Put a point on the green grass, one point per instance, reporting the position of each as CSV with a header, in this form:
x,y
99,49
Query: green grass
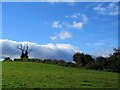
x,y
40,75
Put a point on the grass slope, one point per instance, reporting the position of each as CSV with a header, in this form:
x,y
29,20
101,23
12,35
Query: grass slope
x,y
40,75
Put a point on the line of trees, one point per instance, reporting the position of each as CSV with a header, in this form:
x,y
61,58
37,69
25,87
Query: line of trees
x,y
111,63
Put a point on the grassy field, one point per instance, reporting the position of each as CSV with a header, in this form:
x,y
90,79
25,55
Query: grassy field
x,y
40,75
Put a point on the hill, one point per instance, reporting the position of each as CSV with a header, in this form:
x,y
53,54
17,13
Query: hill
x,y
40,75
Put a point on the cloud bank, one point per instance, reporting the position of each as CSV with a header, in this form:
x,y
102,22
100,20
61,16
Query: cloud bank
x,y
49,51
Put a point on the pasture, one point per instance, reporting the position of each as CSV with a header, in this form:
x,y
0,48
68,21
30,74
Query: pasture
x,y
40,75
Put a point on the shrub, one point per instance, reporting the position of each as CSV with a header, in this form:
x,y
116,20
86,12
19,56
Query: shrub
x,y
24,59
54,61
90,65
17,60
100,63
62,63
70,64
47,61
7,59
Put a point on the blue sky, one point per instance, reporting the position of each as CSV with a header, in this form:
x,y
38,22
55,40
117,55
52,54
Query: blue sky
x,y
92,27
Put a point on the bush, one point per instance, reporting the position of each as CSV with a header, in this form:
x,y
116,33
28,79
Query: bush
x,y
113,64
62,63
7,59
48,61
70,64
54,61
90,65
17,60
24,59
100,63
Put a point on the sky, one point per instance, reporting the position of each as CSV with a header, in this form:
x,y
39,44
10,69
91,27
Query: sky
x,y
59,29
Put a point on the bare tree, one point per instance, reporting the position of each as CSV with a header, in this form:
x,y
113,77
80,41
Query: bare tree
x,y
24,50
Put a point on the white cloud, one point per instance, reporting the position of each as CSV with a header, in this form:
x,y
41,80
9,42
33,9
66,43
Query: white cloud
x,y
76,25
77,16
65,35
104,53
56,25
73,16
49,51
94,44
53,38
85,18
62,35
78,20
111,9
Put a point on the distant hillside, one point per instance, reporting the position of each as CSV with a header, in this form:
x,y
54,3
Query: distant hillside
x,y
40,75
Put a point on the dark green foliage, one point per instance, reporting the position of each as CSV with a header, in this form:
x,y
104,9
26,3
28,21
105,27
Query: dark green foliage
x,y
111,63
70,64
17,60
76,65
47,61
90,65
7,59
82,59
54,61
62,63
100,63
25,59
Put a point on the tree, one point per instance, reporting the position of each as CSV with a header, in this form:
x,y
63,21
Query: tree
x,y
113,63
82,59
7,59
100,62
24,50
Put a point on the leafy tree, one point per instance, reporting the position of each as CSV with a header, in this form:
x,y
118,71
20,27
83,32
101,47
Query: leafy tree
x,y
7,59
100,62
90,65
113,63
89,58
82,59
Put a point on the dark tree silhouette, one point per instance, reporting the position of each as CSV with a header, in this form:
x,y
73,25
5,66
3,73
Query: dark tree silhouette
x,y
7,59
82,59
24,50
